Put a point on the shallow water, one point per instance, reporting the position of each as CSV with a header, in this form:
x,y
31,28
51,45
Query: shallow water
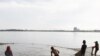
x,y
34,50
63,39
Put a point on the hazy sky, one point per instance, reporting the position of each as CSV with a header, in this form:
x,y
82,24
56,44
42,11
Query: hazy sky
x,y
50,14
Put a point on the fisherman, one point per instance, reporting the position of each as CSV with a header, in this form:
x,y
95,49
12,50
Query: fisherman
x,y
8,51
96,48
83,48
54,51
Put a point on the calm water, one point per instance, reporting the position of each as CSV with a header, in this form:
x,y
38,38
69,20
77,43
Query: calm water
x,y
63,39
34,50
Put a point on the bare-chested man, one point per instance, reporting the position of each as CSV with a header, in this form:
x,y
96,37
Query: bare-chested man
x,y
96,48
54,51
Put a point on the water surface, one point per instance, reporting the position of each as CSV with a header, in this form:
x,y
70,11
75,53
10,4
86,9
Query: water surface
x,y
62,39
67,39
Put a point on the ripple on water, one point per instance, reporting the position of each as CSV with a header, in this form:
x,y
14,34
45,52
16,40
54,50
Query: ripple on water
x,y
36,50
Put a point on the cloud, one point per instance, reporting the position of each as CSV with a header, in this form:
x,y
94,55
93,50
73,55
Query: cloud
x,y
23,0
45,14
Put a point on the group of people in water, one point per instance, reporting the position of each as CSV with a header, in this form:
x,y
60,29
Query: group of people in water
x,y
82,51
55,52
84,46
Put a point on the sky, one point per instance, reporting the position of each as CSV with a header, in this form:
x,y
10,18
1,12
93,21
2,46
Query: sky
x,y
50,14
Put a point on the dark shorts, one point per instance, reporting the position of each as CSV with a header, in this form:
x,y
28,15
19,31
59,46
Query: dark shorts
x,y
56,55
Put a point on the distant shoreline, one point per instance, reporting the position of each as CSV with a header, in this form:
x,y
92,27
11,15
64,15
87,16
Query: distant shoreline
x,y
5,43
10,30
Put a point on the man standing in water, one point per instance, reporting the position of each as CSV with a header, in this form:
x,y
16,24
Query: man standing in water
x,y
54,51
96,48
83,48
8,51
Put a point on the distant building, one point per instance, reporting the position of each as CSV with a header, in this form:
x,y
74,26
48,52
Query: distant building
x,y
75,29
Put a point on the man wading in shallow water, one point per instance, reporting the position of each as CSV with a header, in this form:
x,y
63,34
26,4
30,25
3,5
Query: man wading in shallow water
x,y
54,51
8,51
96,48
83,48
